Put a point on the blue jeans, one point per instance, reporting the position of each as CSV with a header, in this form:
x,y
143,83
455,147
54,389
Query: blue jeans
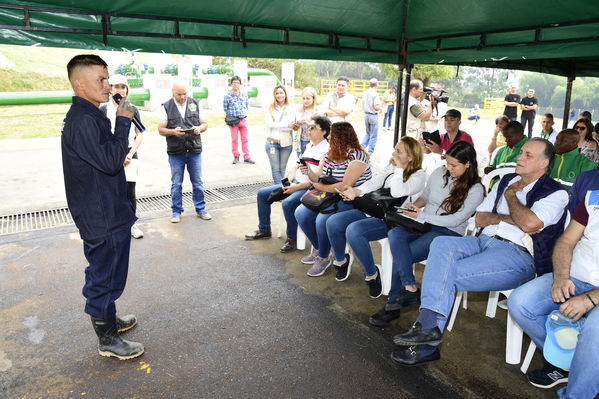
x,y
314,226
372,130
194,168
407,249
278,157
359,234
289,204
530,304
388,116
336,227
470,264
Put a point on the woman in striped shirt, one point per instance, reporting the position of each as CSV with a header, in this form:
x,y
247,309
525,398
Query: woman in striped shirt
x,y
349,165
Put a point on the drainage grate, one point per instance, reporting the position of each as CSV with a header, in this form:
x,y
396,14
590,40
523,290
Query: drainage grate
x,y
39,220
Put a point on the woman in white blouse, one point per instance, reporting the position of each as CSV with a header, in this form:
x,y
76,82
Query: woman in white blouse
x,y
280,120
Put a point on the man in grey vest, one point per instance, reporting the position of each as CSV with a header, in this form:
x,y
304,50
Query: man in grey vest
x,y
181,124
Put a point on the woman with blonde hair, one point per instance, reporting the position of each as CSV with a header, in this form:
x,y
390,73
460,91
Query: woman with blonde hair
x,y
301,136
403,178
280,119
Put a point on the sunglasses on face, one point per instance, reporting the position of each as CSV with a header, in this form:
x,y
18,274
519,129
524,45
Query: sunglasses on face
x,y
312,127
580,128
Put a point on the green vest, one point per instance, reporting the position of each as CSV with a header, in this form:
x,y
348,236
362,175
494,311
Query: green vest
x,y
506,156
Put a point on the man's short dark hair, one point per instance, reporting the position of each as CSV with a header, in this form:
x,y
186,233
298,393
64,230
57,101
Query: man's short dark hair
x,y
237,78
586,114
324,123
343,78
548,152
84,60
514,127
548,115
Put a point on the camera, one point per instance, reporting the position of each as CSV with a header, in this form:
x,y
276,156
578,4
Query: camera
x,y
429,94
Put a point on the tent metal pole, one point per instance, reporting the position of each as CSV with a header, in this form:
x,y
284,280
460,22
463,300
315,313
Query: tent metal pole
x,y
397,105
571,77
404,111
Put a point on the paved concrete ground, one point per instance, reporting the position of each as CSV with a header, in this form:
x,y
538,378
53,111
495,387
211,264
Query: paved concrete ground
x,y
227,318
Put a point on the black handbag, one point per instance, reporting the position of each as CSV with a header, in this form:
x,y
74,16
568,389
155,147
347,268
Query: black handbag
x,y
232,120
377,202
395,219
319,201
277,195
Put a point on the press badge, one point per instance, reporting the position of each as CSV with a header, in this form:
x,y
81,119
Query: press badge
x,y
272,150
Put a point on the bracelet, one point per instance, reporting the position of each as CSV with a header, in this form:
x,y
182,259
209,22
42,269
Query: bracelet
x,y
591,299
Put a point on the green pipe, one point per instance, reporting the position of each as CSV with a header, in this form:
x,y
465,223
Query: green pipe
x,y
262,72
199,92
56,97
252,92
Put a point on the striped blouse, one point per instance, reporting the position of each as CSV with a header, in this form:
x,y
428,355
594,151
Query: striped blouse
x,y
337,170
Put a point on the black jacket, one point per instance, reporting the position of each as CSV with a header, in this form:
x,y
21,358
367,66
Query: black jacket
x,y
94,178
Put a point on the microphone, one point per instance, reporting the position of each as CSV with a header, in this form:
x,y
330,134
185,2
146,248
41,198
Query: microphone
x,y
140,126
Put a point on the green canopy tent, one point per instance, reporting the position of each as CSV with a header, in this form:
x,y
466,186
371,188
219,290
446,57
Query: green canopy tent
x,y
550,36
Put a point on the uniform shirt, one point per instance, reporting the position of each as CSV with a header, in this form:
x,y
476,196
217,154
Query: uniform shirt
x,y
511,112
551,135
566,167
529,101
94,178
506,156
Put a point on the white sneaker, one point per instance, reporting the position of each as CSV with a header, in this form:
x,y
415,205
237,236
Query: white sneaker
x,y
136,232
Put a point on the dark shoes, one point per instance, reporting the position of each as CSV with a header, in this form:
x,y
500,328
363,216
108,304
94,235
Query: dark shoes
x,y
249,160
344,270
111,344
375,287
417,336
125,323
289,246
256,235
383,317
547,377
406,298
412,356
235,160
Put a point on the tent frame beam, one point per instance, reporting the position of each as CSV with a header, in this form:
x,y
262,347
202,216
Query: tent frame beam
x,y
237,31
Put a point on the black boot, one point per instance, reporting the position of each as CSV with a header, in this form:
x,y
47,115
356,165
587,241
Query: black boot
x,y
125,323
110,342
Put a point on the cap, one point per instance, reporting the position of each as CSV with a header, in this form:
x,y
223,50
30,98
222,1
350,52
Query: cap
x,y
561,339
453,113
118,79
374,81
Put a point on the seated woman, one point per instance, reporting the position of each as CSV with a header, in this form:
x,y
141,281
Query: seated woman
x,y
318,131
348,164
279,119
403,175
586,143
451,196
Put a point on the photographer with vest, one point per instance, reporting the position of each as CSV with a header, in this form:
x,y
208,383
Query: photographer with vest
x,y
181,124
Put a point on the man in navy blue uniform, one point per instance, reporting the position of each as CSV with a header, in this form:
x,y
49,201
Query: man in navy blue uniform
x,y
96,189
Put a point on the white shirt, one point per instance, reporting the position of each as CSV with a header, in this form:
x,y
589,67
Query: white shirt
x,y
111,114
413,187
315,152
162,111
549,210
347,103
585,258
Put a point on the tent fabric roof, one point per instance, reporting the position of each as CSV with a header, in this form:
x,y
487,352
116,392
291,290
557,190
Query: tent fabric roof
x,y
541,35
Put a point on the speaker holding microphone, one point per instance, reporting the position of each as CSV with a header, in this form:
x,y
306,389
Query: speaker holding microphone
x,y
117,99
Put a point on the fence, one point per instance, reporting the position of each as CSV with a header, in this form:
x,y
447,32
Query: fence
x,y
356,87
494,104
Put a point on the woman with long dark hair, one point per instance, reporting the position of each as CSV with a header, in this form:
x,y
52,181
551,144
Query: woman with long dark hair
x,y
586,143
451,196
349,165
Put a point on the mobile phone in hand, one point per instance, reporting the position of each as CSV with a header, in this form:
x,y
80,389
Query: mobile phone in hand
x,y
302,161
285,182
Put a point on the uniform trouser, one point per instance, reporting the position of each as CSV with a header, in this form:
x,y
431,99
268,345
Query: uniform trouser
x,y
106,274
131,195
530,119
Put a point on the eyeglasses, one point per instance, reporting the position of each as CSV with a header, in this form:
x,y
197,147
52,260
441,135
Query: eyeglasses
x,y
312,127
580,128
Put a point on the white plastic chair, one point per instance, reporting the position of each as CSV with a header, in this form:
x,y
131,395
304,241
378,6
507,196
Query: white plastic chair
x,y
301,237
386,265
499,172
